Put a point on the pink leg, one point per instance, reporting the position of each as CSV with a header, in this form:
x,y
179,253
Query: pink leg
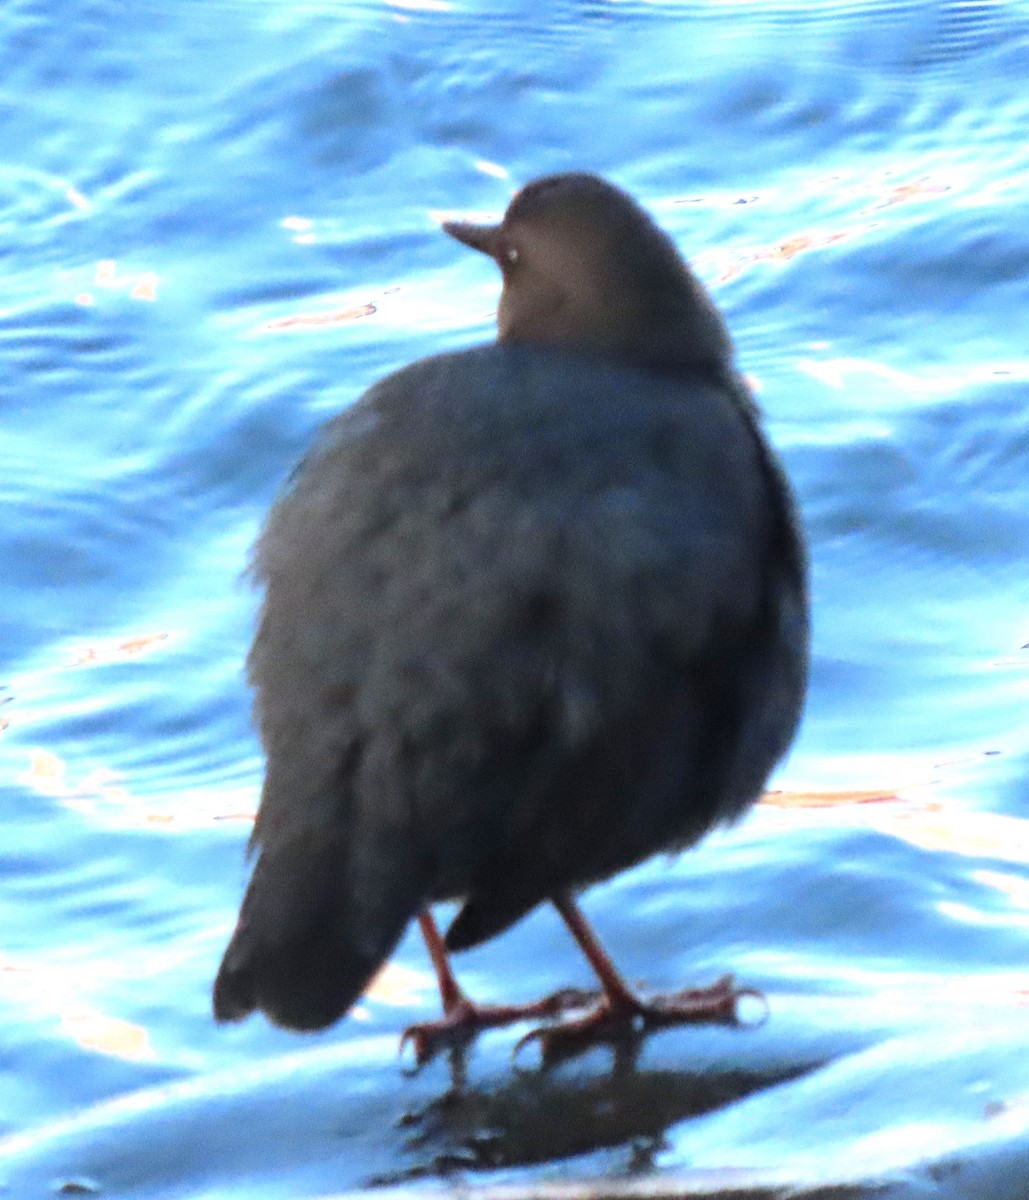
x,y
616,1011
462,1018
620,1010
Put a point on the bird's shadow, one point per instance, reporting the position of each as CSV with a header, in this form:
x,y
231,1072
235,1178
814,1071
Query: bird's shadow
x,y
529,1117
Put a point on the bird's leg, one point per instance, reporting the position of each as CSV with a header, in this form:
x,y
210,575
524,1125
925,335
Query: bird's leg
x,y
462,1018
450,992
621,1012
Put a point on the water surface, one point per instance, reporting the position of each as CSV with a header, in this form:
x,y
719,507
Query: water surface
x,y
220,224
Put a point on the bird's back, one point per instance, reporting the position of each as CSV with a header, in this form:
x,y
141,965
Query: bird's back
x,y
526,622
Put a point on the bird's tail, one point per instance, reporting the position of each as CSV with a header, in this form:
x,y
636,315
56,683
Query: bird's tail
x,y
314,927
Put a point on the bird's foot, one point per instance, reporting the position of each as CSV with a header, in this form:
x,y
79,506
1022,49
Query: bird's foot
x,y
624,1016
464,1021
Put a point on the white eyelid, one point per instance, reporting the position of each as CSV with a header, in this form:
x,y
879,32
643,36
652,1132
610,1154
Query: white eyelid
x,y
511,254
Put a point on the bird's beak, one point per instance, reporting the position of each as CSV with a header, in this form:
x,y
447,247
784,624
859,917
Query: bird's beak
x,y
484,238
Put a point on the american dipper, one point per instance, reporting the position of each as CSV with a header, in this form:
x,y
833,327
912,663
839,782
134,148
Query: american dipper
x,y
533,611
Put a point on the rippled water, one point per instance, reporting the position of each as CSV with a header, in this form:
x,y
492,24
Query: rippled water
x,y
218,224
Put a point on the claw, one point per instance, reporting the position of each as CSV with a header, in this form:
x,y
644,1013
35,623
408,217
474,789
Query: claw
x,y
628,1018
423,1052
570,1038
430,1038
719,1002
621,1017
532,1036
761,998
464,1021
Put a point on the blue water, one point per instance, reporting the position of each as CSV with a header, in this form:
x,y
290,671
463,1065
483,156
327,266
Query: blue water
x,y
219,224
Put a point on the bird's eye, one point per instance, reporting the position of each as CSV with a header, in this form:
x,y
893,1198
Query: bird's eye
x,y
511,255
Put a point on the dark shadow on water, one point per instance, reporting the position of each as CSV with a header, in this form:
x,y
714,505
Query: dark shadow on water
x,y
540,1116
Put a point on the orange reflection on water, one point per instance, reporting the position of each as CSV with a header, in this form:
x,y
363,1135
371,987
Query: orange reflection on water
x,y
398,987
102,797
890,194
112,1036
916,818
141,286
959,831
917,189
45,773
145,287
49,989
786,250
827,799
119,649
318,320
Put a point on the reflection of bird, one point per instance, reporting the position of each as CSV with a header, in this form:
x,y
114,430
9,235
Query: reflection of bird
x,y
533,612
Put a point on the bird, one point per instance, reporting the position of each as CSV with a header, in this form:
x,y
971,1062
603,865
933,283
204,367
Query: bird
x,y
533,611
